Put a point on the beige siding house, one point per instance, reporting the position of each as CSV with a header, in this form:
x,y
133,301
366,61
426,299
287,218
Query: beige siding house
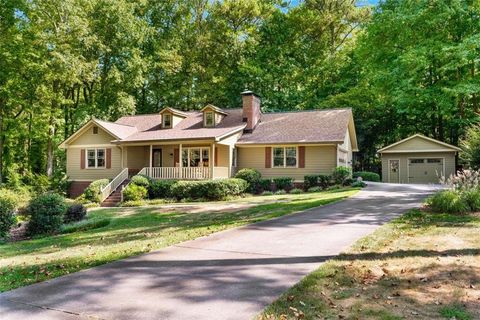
x,y
211,143
417,159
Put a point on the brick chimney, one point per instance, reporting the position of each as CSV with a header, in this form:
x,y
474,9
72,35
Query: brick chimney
x,y
251,110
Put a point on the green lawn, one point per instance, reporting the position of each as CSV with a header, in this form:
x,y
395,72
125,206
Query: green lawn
x,y
132,231
420,266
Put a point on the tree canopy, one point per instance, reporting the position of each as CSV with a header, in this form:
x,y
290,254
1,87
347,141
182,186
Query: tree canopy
x,y
404,67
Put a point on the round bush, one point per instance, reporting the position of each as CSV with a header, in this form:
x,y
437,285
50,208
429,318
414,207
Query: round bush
x,y
341,174
92,192
447,201
141,180
359,184
267,193
46,214
280,192
252,176
208,189
8,204
367,176
75,212
159,189
134,192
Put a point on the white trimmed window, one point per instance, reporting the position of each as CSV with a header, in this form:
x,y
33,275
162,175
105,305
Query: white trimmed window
x,y
209,119
95,158
195,157
284,157
167,120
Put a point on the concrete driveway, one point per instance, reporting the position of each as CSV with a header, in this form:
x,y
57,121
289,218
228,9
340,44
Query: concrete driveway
x,y
229,275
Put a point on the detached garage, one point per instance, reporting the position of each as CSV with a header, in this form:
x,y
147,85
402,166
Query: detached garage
x,y
417,159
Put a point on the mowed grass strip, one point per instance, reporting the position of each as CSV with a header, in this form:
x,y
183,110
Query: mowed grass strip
x,y
419,266
133,231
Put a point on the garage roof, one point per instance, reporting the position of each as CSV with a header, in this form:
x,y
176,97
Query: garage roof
x,y
418,143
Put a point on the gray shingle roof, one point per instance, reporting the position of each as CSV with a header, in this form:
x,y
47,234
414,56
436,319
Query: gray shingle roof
x,y
318,126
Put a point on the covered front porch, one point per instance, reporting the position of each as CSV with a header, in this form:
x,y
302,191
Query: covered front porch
x,y
180,161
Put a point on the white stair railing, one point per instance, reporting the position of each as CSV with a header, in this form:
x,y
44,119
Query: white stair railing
x,y
113,185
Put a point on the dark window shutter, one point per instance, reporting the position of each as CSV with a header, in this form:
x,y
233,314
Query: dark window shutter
x,y
216,157
301,157
109,158
82,159
268,157
176,157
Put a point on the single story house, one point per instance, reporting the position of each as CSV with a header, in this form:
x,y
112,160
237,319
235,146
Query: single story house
x,y
211,143
417,159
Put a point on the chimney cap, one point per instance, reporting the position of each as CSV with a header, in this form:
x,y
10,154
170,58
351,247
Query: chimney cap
x,y
249,93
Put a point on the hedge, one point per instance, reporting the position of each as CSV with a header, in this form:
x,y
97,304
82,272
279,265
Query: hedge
x,y
367,176
316,180
283,183
160,189
134,192
341,174
209,189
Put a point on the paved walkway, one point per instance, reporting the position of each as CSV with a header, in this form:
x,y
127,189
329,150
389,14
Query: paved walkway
x,y
229,275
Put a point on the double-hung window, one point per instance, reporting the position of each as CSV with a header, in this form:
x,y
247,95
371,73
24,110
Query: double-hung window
x,y
167,120
284,157
95,158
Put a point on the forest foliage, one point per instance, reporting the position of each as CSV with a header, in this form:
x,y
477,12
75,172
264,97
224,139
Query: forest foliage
x,y
403,66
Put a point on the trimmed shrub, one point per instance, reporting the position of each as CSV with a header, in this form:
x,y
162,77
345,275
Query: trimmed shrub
x,y
334,187
314,189
8,205
265,185
296,191
280,192
160,189
359,184
285,183
134,192
267,193
310,181
471,199
341,174
92,192
75,212
140,180
46,214
367,176
252,176
324,181
447,201
208,189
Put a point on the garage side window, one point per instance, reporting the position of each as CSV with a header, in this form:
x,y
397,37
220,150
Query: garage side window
x,y
417,160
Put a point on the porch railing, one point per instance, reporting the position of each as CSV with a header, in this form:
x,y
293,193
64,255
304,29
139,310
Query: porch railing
x,y
113,185
185,173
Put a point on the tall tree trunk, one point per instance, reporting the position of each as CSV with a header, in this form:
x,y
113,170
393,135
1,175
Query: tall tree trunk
x,y
51,130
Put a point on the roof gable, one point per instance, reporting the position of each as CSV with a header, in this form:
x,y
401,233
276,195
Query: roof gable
x,y
174,112
419,143
115,130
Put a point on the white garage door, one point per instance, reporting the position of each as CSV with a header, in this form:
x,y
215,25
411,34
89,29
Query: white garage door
x,y
425,170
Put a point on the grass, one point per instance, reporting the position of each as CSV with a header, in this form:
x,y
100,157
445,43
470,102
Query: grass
x,y
419,266
132,231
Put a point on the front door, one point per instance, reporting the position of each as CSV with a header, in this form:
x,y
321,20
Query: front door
x,y
394,171
157,157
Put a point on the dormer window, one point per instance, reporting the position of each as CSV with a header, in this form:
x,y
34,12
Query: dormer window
x,y
95,130
209,119
166,120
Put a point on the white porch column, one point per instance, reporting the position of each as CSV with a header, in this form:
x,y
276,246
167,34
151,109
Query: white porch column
x,y
212,161
180,160
150,162
230,156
